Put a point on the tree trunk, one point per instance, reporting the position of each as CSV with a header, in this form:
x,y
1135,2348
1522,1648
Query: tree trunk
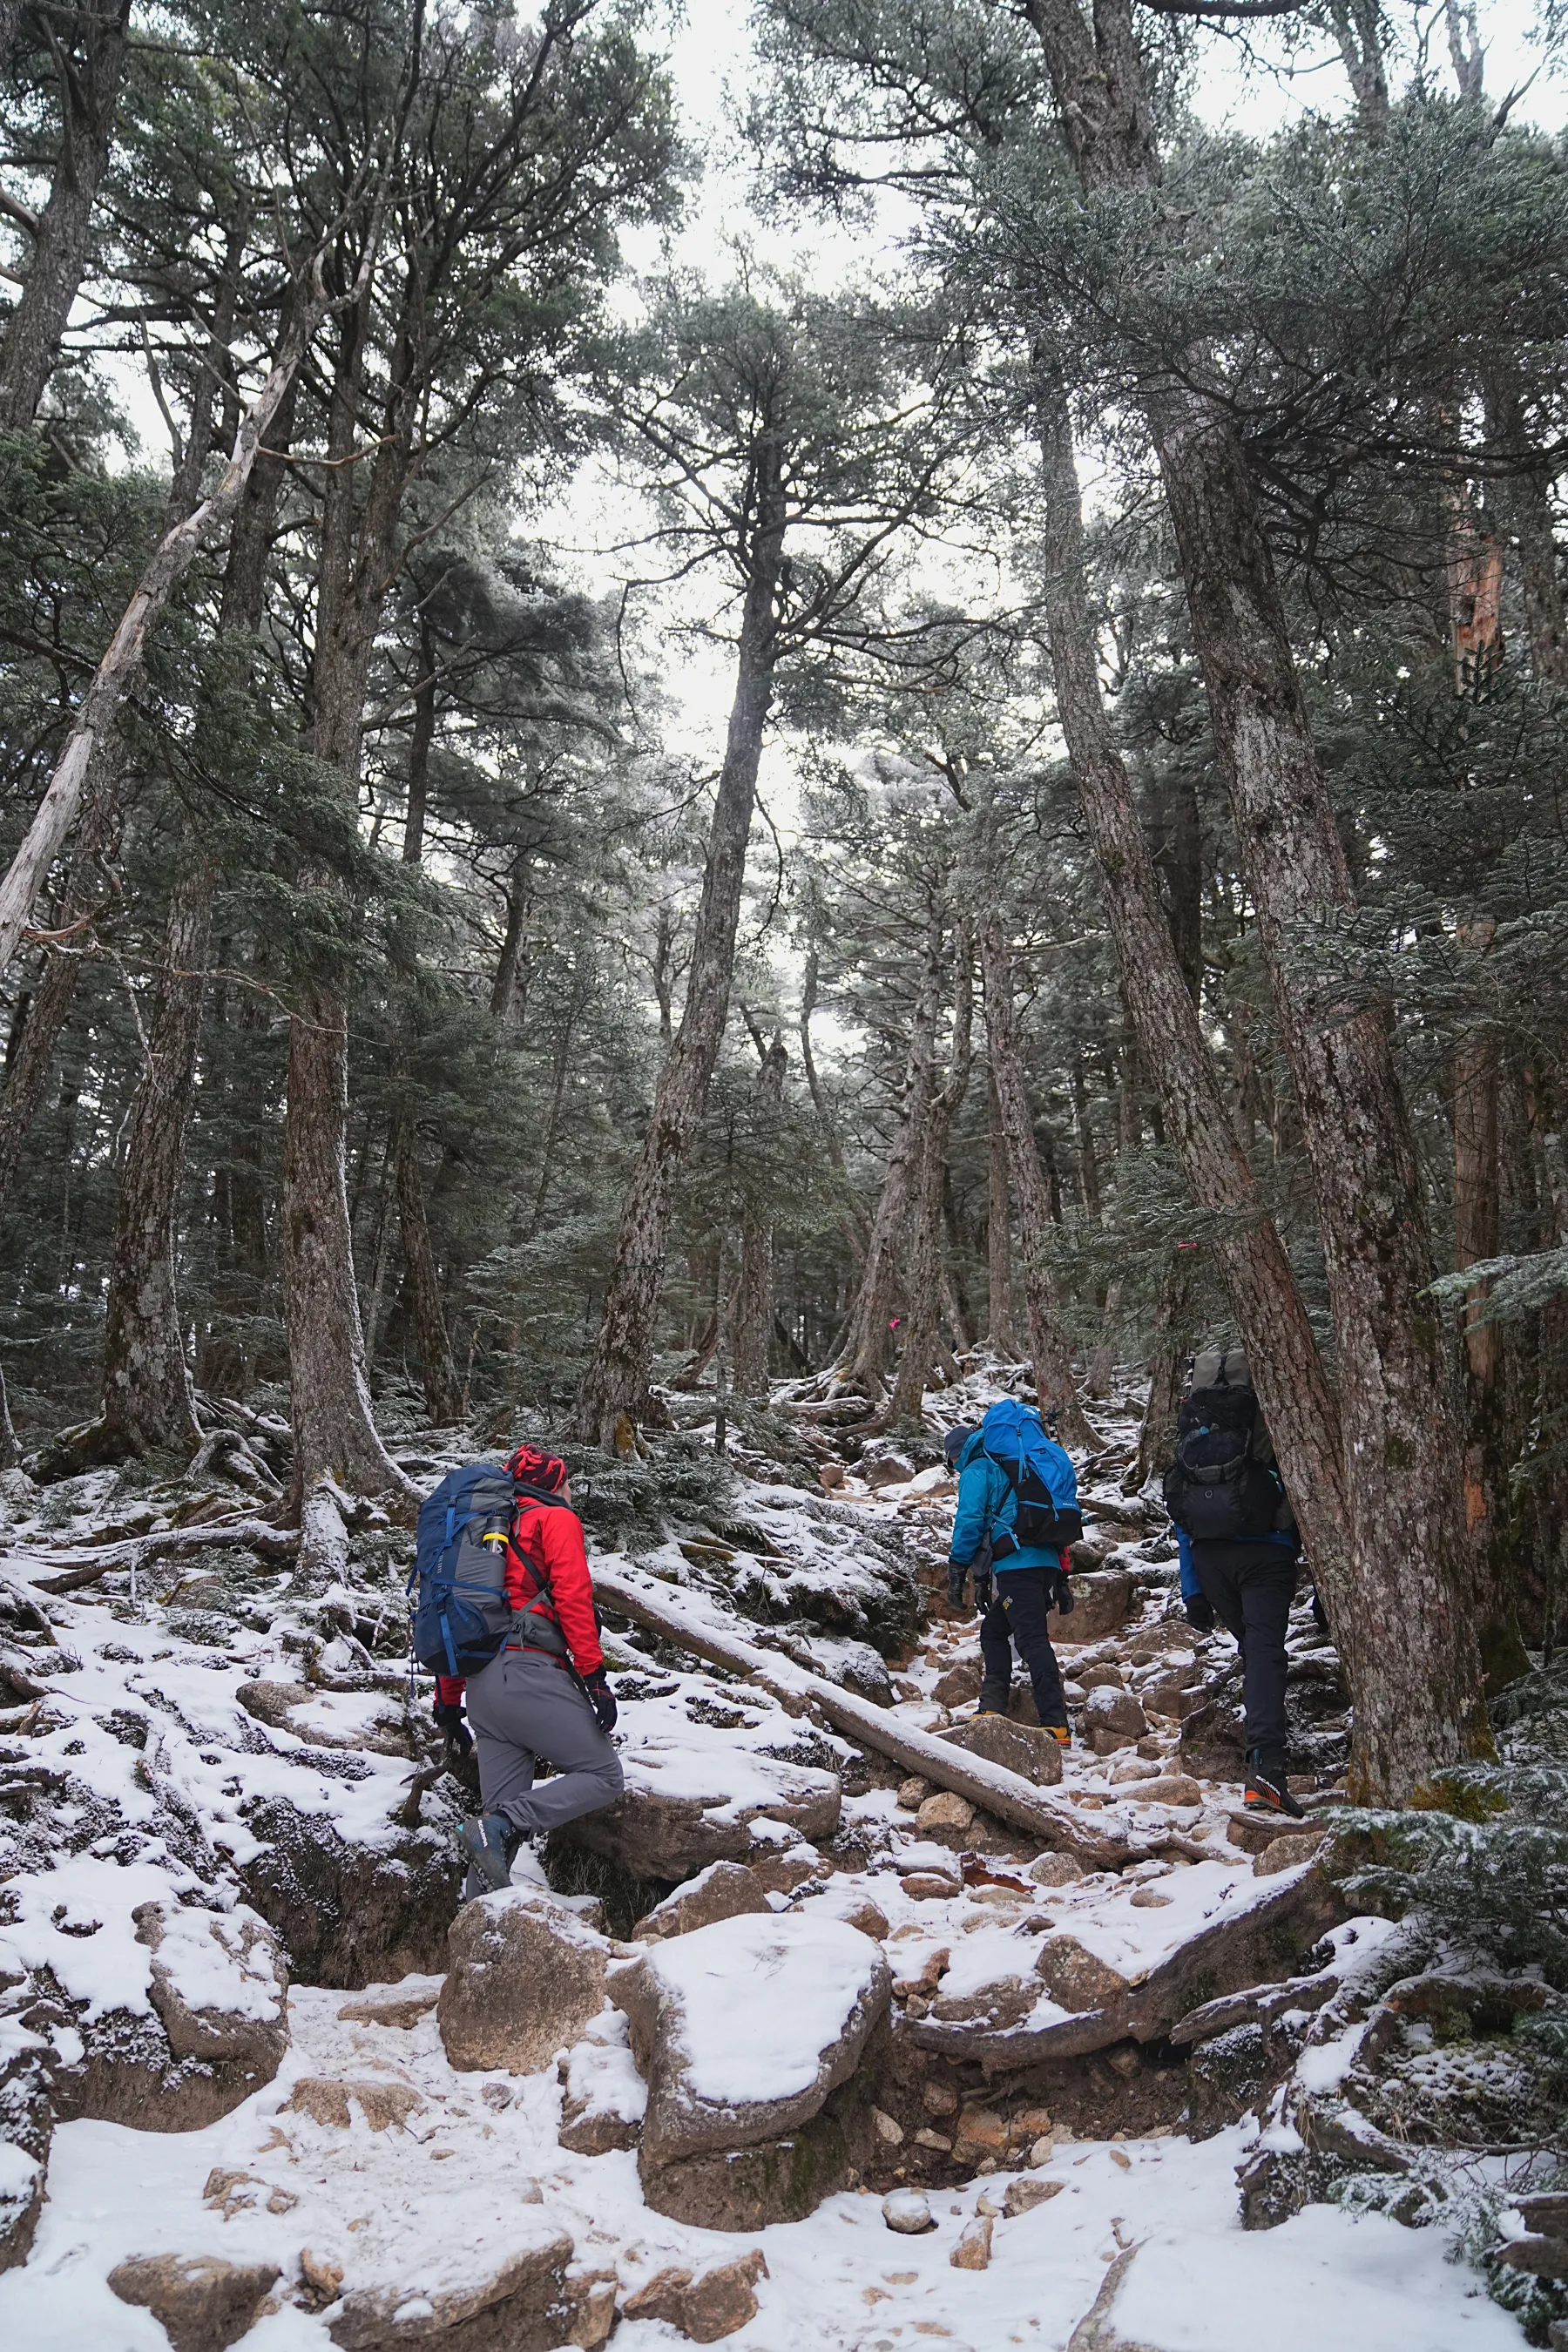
x,y
1386,1609
334,1433
866,1341
852,1226
1052,1357
1419,1706
443,1399
753,1325
90,93
508,992
999,1328
1489,1502
148,1405
922,1285
955,1288
1167,1358
614,1387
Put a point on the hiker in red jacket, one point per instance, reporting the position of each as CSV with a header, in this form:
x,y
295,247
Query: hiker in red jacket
x,y
545,1692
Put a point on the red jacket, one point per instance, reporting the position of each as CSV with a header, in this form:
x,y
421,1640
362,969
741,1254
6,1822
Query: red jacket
x,y
551,1536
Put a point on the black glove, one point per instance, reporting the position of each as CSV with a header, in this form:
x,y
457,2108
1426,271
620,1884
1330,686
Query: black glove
x,y
1061,1594
1199,1610
602,1698
456,1732
984,1587
957,1577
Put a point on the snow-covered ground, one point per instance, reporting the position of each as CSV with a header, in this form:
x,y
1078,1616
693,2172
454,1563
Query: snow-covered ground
x,y
142,1776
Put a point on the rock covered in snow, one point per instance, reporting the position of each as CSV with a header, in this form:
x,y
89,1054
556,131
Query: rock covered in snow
x,y
604,2096
945,1817
1074,1978
203,2303
522,2298
1101,1605
220,1983
524,1976
725,1890
705,2308
1022,1747
908,2212
743,2031
972,2251
1110,1709
661,1833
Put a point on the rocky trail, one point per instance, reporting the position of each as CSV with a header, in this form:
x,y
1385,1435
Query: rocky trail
x,y
857,2022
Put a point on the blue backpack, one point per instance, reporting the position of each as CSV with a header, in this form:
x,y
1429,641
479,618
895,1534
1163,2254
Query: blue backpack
x,y
460,1609
1040,1473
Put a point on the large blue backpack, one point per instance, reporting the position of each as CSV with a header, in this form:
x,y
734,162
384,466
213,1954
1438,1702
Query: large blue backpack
x,y
1040,1473
461,1611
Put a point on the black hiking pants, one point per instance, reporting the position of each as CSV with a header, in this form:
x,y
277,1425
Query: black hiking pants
x,y
523,1706
1018,1618
1250,1587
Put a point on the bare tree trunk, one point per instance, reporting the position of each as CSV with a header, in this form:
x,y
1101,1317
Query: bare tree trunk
x,y
956,1290
1052,1357
852,1227
923,1279
999,1237
90,93
1167,1356
753,1325
443,1399
866,1341
148,1403
1489,1502
508,992
117,671
613,1392
1103,1363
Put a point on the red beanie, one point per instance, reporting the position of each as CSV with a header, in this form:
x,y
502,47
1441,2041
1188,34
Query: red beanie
x,y
532,1468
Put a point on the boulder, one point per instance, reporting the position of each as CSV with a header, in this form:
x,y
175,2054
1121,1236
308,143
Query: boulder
x,y
469,2301
888,1470
1101,1605
749,2034
847,1901
945,1818
220,1984
604,2096
1286,1852
1108,1708
21,2203
707,2308
912,1794
349,1915
524,1977
725,1890
204,2305
1166,1789
673,1837
960,1686
931,1885
1006,2002
1074,1978
908,2212
1256,1832
1055,1870
1021,1747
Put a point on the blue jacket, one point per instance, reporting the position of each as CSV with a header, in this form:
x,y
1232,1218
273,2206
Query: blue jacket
x,y
988,1504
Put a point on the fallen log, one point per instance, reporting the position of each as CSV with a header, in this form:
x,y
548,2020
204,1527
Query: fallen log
x,y
1007,1794
170,1543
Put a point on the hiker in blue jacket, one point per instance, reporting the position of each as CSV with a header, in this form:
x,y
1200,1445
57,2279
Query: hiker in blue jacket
x,y
1009,1469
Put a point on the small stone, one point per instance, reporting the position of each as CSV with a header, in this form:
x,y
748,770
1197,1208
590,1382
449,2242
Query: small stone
x,y
907,2212
972,2251
983,2129
945,1817
1055,1870
912,1794
392,2007
1125,2063
960,1686
1042,2151
1074,1976
939,2098
1005,2002
887,2128
203,2303
830,1475
1028,2192
934,2140
703,2309
1149,1898
929,1886
322,2276
1170,1789
1022,1747
382,2102
1119,2155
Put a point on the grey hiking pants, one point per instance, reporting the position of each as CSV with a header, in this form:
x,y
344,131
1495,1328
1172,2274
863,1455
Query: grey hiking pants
x,y
521,1706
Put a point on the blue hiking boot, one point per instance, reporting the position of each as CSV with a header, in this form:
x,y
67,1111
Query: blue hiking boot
x,y
486,1839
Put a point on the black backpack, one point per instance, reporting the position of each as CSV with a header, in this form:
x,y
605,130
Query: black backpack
x,y
1220,1488
461,1612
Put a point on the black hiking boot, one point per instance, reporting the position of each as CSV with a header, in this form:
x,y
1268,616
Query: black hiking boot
x,y
993,1700
1267,1790
488,1840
